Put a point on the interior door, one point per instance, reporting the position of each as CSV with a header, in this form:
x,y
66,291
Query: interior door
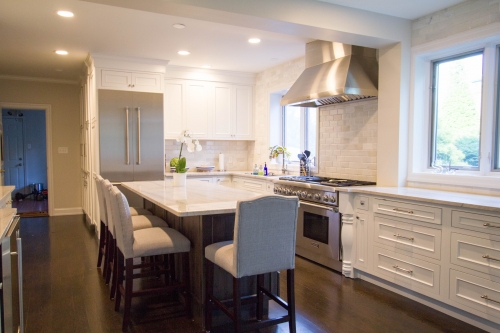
x,y
117,155
14,153
148,136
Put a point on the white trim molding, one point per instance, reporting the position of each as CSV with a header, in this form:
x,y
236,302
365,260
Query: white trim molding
x,y
36,79
67,211
48,130
484,38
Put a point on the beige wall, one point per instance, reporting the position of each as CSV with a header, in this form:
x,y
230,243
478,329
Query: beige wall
x,y
464,16
65,107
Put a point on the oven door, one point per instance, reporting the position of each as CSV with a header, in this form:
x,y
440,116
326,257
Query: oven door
x,y
318,234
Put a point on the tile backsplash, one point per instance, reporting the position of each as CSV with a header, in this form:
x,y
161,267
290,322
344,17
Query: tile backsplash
x,y
348,140
235,154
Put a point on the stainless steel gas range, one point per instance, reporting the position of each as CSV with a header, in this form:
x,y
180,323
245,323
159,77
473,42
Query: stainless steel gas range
x,y
319,222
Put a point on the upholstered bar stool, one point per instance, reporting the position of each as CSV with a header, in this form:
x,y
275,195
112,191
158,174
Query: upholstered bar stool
x,y
141,243
104,232
264,242
138,222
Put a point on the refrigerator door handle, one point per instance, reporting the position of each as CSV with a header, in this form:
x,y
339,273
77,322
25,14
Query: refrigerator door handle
x,y
127,137
138,135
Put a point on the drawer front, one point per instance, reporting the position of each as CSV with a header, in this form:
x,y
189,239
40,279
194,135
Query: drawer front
x,y
361,202
408,237
476,222
253,186
407,210
476,253
474,292
411,273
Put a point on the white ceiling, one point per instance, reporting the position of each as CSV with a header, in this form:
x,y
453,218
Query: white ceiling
x,y
408,9
30,32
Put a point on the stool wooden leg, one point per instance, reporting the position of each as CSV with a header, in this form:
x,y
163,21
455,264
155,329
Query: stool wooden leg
x,y
102,244
119,278
129,281
108,260
290,294
260,297
114,280
237,305
209,290
185,279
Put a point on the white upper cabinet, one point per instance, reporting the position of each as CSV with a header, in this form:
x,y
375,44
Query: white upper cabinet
x,y
222,102
197,112
133,81
209,110
173,104
243,112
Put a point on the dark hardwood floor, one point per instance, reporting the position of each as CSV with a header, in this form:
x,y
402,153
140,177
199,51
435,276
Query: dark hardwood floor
x,y
65,292
31,208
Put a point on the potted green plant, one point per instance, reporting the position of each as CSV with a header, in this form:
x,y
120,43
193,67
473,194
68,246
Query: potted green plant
x,y
179,163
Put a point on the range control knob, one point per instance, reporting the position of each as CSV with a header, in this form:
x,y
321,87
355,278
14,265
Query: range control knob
x,y
309,195
288,191
275,190
332,198
326,198
317,196
294,193
303,194
278,189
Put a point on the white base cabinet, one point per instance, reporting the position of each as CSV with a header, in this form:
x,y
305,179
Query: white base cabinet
x,y
430,252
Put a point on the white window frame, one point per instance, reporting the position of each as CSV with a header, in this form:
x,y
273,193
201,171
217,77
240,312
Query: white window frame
x,y
486,38
302,133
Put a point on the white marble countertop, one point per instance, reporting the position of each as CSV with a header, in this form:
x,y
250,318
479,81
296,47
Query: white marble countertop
x,y
466,200
247,174
197,198
5,191
6,215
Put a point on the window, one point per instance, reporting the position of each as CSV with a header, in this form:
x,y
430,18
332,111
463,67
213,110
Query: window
x,y
456,111
299,131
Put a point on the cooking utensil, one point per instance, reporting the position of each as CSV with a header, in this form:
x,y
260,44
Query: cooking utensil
x,y
301,157
307,153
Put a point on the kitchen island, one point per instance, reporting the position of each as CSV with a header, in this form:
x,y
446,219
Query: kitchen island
x,y
205,214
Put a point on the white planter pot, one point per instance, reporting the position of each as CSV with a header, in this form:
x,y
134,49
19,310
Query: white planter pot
x,y
179,179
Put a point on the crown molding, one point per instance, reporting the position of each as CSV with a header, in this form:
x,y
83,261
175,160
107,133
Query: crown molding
x,y
36,79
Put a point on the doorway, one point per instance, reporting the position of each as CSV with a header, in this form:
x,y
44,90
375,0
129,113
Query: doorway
x,y
25,160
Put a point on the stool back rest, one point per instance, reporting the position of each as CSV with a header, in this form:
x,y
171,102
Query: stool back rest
x,y
106,191
264,235
123,223
100,197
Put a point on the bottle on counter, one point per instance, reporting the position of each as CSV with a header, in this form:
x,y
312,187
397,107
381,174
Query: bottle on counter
x,y
255,169
261,171
265,170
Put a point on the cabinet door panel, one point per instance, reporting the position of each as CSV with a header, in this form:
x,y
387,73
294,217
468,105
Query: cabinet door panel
x,y
223,115
146,82
174,101
197,110
243,122
116,79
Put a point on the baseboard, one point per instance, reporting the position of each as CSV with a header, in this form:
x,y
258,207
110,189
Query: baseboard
x,y
67,211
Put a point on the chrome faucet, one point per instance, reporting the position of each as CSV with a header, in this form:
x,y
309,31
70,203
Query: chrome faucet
x,y
278,148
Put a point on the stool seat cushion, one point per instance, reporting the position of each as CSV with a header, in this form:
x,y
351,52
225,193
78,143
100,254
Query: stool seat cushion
x,y
147,221
156,241
134,211
222,254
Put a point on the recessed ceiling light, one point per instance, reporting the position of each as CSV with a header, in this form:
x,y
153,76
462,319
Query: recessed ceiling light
x,y
184,52
178,26
65,13
61,52
206,66
254,40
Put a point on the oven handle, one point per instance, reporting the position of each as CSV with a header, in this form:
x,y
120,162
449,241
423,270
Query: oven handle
x,y
333,209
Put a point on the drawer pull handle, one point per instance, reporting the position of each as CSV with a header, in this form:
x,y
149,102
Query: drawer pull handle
x,y
487,256
402,269
402,210
400,236
490,225
489,299
316,245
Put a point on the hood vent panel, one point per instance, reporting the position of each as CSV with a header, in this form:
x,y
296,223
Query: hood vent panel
x,y
351,75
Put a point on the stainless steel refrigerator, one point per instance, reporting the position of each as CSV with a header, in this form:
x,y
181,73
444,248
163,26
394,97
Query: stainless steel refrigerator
x,y
131,141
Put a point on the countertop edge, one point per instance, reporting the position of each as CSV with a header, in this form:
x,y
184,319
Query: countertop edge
x,y
457,199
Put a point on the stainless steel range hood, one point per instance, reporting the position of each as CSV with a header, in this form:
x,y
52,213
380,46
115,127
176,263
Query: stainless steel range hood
x,y
334,73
